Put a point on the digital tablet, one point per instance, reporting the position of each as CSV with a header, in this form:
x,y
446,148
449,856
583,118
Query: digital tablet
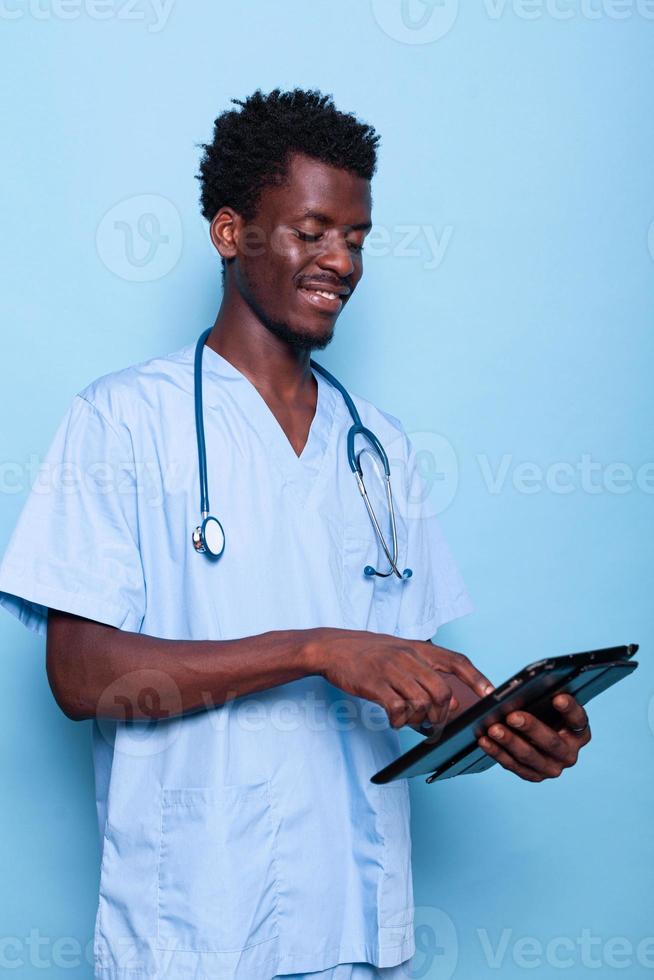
x,y
454,751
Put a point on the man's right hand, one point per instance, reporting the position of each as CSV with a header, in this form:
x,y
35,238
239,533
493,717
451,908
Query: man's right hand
x,y
97,670
404,676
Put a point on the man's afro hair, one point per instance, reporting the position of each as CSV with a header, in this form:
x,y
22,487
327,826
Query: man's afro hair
x,y
251,146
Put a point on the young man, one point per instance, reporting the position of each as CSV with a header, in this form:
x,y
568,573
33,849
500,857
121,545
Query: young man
x,y
241,702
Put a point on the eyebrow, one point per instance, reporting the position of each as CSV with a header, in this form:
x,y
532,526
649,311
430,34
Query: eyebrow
x,y
324,219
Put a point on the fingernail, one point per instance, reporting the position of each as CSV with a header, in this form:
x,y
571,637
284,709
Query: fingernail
x,y
561,701
516,720
497,733
489,689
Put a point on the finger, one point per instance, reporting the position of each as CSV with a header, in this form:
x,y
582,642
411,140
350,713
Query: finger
x,y
541,735
430,692
572,712
453,662
401,708
573,740
505,760
525,753
421,704
394,704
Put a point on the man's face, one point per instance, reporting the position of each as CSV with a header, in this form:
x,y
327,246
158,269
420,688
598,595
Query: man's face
x,y
304,243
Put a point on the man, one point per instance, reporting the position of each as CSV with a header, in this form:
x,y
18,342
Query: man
x,y
241,703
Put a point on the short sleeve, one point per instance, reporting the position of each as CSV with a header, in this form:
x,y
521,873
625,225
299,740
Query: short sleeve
x,y
75,545
436,592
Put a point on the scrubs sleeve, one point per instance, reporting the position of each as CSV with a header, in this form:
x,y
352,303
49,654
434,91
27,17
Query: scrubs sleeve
x,y
436,592
75,545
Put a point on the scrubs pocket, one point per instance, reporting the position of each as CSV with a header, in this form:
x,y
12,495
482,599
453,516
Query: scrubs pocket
x,y
396,894
217,882
370,603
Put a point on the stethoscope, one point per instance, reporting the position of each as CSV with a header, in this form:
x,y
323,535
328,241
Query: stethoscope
x,y
209,536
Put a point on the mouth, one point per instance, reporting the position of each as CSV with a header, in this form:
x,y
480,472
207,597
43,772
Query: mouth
x,y
323,299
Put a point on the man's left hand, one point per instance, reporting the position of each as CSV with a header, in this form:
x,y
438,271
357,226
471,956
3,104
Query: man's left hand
x,y
533,750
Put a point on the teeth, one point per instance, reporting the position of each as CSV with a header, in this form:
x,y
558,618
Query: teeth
x,y
323,292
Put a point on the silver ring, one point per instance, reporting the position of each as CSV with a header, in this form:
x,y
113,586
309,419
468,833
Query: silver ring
x,y
579,731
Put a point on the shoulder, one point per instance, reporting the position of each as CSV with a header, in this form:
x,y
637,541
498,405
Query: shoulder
x,y
122,395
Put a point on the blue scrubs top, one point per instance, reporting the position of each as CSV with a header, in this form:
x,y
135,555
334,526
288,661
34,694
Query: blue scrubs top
x,y
246,840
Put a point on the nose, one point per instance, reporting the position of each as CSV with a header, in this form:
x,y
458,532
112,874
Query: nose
x,y
336,257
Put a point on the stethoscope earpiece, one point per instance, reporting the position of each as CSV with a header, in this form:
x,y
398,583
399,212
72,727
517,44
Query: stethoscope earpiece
x,y
369,571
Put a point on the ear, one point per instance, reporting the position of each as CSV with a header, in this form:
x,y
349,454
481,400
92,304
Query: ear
x,y
225,231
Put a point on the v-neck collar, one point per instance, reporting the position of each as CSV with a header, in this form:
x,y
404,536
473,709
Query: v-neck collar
x,y
299,471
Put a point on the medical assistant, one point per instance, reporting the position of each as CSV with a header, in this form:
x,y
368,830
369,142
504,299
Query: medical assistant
x,y
247,840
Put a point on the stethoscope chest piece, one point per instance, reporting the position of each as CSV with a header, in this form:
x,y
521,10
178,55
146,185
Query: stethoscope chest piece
x,y
209,537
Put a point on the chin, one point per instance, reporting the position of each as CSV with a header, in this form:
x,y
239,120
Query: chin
x,y
300,337
320,341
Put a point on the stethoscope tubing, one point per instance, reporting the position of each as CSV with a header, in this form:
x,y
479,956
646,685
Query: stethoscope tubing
x,y
357,428
199,424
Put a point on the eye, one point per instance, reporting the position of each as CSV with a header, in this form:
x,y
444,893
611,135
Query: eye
x,y
356,247
303,236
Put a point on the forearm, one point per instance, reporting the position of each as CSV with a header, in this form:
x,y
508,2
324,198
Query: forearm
x,y
105,672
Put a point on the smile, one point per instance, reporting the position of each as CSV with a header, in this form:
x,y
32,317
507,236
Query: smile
x,y
323,299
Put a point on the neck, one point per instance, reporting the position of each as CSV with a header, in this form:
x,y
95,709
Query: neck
x,y
270,363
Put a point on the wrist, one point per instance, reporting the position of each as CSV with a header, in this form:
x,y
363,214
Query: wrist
x,y
312,651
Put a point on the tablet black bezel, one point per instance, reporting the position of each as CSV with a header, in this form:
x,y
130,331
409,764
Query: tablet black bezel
x,y
561,668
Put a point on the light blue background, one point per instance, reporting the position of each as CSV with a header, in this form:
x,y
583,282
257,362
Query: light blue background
x,y
529,138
